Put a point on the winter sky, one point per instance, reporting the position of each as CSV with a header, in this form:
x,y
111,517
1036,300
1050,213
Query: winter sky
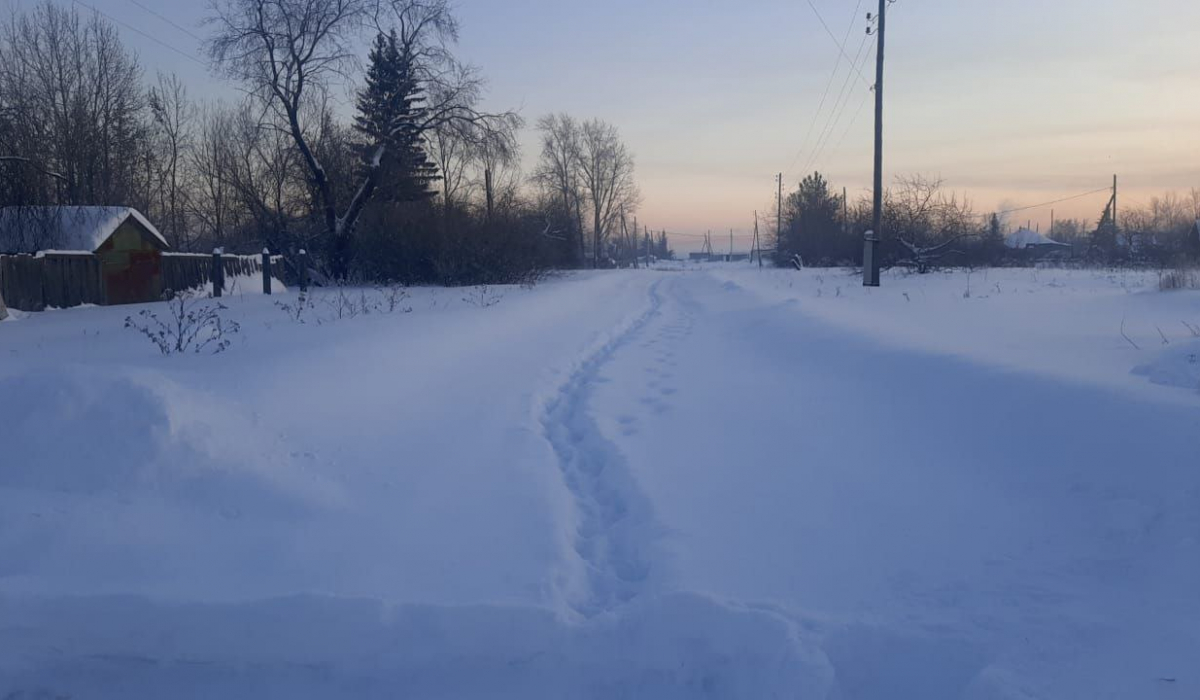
x,y
1013,103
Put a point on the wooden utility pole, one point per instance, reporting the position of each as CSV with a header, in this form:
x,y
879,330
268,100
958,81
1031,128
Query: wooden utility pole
x,y
757,241
730,245
845,214
1114,204
487,183
871,249
625,237
779,216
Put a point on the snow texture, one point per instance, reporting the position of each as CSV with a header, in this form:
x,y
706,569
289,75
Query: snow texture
x,y
691,482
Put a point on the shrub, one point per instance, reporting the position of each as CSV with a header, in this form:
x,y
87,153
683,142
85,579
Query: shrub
x,y
195,325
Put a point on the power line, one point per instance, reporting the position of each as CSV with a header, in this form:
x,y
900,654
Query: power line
x,y
840,45
825,95
849,127
168,21
705,235
839,107
134,29
1057,201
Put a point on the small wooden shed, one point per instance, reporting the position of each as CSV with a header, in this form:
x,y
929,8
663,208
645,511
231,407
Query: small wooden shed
x,y
128,247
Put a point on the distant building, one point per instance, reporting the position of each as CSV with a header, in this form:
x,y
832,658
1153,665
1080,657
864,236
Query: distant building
x,y
1024,239
128,246
1034,243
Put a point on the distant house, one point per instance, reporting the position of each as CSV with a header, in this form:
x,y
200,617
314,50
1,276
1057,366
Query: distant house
x,y
128,246
1024,239
1034,243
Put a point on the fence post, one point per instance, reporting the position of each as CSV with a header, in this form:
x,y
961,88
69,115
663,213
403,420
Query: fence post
x,y
302,266
218,273
266,271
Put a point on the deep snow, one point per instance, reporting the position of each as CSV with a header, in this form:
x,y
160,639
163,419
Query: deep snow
x,y
689,482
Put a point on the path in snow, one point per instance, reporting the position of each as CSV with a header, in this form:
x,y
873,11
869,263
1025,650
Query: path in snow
x,y
616,520
715,496
940,528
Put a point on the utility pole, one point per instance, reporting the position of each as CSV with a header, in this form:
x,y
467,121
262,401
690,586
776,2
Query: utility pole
x,y
871,245
757,242
779,217
633,245
1114,209
730,245
625,237
845,214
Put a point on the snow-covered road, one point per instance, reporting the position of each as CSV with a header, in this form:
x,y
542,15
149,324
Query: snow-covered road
x,y
659,484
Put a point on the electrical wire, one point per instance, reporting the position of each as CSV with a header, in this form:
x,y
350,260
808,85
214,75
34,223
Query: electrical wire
x,y
168,21
825,94
134,29
1057,201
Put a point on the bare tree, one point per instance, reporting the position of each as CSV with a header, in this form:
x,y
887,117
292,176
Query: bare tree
x,y
558,171
498,155
451,145
212,165
267,177
606,169
284,50
173,116
926,221
71,102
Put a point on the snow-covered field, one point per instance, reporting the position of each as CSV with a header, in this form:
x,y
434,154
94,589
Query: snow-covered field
x,y
717,482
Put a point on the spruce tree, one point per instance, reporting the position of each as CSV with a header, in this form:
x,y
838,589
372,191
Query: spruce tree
x,y
993,241
390,114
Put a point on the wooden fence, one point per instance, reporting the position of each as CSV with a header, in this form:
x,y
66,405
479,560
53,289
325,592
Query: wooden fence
x,y
55,280
183,271
62,280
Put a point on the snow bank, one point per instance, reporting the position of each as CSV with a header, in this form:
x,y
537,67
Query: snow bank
x,y
1178,366
301,647
1090,326
84,434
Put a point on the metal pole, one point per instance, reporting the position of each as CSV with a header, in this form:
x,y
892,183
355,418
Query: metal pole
x,y
871,254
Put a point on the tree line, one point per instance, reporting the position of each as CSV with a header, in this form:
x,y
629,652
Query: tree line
x,y
926,224
419,183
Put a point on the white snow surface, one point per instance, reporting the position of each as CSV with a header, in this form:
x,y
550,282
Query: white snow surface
x,y
690,482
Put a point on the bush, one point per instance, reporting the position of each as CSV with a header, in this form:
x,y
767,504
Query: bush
x,y
1179,278
195,325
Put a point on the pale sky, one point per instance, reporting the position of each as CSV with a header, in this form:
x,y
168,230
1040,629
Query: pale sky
x,y
1013,103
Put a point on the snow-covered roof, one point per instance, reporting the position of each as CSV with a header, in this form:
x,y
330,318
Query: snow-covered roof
x,y
1024,238
30,229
